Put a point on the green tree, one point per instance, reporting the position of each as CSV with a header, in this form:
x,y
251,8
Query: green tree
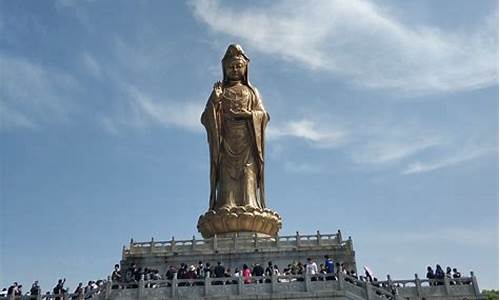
x,y
490,294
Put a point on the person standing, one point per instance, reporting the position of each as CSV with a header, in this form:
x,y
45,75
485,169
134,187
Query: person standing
x,y
311,269
35,290
329,268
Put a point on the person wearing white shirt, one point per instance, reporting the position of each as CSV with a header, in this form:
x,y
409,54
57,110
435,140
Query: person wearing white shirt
x,y
311,268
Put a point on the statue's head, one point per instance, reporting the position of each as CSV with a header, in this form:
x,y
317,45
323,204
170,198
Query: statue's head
x,y
235,64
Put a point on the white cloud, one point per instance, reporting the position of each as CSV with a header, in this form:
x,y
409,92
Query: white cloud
x,y
390,150
463,155
33,94
357,40
303,168
308,130
140,110
90,64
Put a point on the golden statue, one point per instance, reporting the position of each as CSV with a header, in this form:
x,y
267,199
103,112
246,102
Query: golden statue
x,y
235,120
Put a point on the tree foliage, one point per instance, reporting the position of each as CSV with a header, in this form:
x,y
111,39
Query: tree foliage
x,y
490,294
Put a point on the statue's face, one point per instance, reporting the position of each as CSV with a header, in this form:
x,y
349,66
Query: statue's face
x,y
235,70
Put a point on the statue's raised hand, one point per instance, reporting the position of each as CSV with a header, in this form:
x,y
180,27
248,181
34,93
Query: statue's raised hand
x,y
217,92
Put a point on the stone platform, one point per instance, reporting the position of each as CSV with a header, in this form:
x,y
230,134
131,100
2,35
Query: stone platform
x,y
235,250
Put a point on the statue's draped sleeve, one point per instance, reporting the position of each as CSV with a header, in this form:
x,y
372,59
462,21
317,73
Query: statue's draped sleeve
x,y
260,118
211,118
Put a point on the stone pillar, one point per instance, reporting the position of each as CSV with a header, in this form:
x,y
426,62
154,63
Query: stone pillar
x,y
318,238
474,284
368,290
152,245
172,244
235,241
307,282
140,290
193,243
274,282
418,285
109,284
340,276
214,242
447,285
206,286
240,284
297,238
174,287
339,236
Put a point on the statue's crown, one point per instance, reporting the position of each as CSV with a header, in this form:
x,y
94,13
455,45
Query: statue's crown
x,y
235,52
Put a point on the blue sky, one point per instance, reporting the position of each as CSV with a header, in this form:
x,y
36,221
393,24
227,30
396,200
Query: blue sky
x,y
384,124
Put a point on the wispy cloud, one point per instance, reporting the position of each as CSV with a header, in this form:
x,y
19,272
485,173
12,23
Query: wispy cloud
x,y
309,131
463,155
303,168
33,94
383,150
357,40
140,110
90,64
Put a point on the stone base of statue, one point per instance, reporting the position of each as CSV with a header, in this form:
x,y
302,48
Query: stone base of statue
x,y
238,249
241,219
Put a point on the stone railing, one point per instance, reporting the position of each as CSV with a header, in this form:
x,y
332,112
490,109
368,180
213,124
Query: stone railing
x,y
292,286
235,242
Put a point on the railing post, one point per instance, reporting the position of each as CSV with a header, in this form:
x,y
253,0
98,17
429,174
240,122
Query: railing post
x,y
255,240
235,240
140,290
206,286
152,245
277,241
307,282
418,285
474,284
107,292
339,236
174,287
340,276
318,237
297,238
240,284
368,290
447,285
172,244
193,243
214,242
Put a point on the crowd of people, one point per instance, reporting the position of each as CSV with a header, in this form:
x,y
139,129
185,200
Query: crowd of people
x,y
255,273
437,277
59,292
133,274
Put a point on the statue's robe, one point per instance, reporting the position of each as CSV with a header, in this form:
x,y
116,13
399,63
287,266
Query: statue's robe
x,y
236,148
